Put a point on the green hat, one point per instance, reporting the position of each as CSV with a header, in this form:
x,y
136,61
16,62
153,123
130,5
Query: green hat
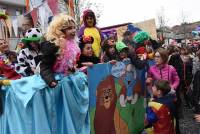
x,y
32,34
31,39
141,36
120,46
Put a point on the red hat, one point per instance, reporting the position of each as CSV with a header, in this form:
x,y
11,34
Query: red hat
x,y
140,50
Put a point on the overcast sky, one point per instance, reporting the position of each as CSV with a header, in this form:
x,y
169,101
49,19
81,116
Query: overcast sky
x,y
123,11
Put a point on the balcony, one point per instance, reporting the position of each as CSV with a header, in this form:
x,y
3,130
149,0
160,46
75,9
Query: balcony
x,y
13,2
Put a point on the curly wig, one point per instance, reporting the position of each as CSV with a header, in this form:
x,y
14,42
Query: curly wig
x,y
55,30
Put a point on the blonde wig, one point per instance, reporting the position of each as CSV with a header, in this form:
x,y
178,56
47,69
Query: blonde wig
x,y
54,32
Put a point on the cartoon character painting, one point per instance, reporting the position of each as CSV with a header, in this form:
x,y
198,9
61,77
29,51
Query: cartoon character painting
x,y
105,106
128,76
108,115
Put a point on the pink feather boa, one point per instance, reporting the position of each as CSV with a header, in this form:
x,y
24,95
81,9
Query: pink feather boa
x,y
69,54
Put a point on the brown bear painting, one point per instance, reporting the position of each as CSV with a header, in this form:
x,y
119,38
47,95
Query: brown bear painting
x,y
105,106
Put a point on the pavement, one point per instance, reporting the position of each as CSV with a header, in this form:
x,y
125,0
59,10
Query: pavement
x,y
187,123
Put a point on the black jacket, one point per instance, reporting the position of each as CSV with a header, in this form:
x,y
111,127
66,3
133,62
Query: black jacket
x,y
177,63
83,59
49,54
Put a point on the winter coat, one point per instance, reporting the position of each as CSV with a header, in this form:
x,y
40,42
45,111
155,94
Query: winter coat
x,y
183,68
26,60
160,114
196,65
49,54
167,72
196,91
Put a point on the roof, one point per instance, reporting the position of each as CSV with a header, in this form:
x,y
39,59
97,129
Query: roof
x,y
115,26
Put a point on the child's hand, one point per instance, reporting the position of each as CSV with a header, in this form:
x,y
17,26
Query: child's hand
x,y
89,64
53,84
197,118
113,62
33,69
149,80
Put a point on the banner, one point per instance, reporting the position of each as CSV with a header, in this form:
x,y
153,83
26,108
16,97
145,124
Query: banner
x,y
53,5
116,106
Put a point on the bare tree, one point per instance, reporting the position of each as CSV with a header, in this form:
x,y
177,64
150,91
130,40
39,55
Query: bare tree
x,y
162,21
183,19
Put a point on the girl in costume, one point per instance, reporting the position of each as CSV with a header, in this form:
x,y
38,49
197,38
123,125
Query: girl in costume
x,y
60,51
30,56
66,107
87,57
89,29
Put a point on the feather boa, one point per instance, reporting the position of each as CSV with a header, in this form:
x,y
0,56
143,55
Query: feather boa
x,y
68,57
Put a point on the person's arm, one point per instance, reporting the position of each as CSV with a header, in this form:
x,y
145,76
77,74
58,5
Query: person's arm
x,y
151,116
47,74
22,66
49,51
140,64
175,79
149,76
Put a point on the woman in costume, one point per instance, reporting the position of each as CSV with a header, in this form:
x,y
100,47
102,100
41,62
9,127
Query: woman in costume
x,y
89,29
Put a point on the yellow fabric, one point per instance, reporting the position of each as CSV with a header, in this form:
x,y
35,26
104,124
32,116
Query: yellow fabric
x,y
5,82
149,131
96,46
155,105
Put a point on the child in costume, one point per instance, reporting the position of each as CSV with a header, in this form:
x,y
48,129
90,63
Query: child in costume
x,y
129,75
7,61
89,29
160,111
30,56
150,56
87,57
60,51
110,51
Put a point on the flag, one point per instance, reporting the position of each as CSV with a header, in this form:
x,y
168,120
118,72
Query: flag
x,y
53,5
71,8
34,16
27,5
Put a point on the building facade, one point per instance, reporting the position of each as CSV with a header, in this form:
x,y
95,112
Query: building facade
x,y
13,7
